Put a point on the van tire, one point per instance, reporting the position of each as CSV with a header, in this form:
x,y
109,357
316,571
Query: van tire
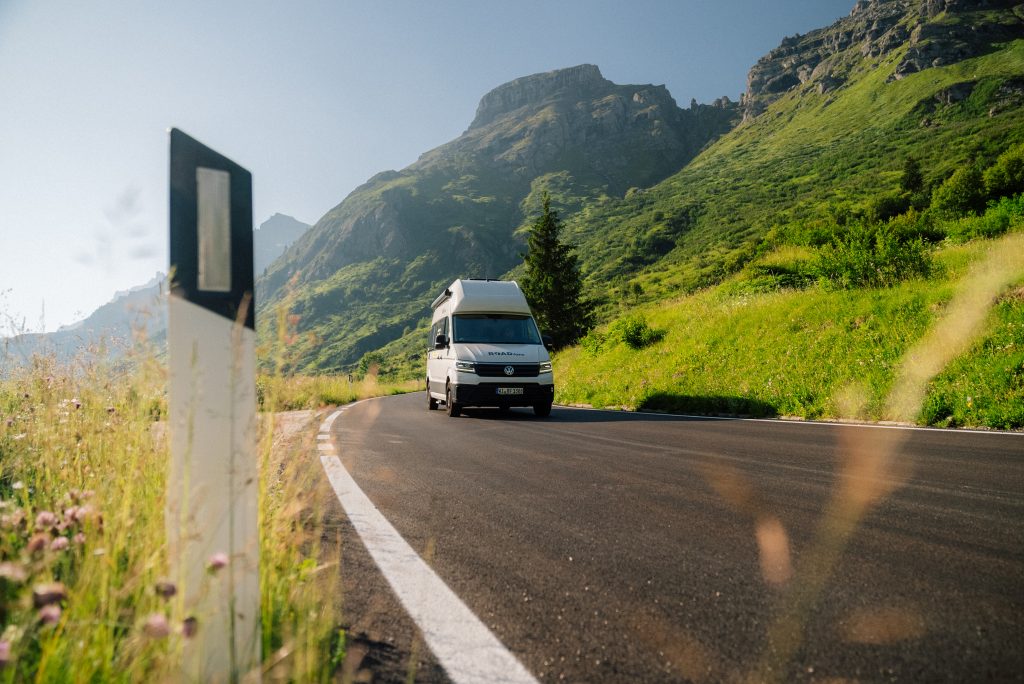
x,y
453,409
542,410
431,401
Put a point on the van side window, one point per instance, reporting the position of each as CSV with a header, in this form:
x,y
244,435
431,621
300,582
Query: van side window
x,y
439,328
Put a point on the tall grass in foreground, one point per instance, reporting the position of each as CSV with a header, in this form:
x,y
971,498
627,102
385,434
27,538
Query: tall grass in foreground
x,y
83,461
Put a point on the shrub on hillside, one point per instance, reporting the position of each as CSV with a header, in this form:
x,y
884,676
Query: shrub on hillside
x,y
961,194
884,207
1000,217
633,331
872,256
1006,176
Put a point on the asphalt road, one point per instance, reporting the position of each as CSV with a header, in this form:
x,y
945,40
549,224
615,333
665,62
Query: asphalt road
x,y
604,546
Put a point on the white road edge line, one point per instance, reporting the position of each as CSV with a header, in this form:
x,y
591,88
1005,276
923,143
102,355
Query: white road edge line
x,y
786,421
462,644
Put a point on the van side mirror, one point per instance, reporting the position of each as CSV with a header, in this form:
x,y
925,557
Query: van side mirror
x,y
441,341
547,340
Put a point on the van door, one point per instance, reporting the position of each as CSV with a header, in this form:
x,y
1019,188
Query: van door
x,y
437,361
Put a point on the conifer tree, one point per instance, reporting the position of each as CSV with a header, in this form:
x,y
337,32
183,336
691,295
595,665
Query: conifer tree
x,y
553,285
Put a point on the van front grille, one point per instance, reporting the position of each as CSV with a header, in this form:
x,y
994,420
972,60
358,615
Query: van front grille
x,y
497,370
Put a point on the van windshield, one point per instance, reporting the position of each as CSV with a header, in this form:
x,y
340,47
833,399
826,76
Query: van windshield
x,y
495,329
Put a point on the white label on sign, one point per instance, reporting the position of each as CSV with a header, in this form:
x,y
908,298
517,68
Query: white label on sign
x,y
214,227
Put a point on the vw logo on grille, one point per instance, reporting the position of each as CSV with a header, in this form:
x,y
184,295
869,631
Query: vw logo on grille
x,y
510,370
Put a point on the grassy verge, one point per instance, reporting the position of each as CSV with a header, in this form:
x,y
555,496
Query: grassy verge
x,y
83,459
811,353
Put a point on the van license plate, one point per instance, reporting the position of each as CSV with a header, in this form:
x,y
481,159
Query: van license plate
x,y
510,390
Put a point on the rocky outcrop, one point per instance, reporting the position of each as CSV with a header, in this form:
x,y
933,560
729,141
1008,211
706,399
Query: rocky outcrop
x,y
934,32
535,89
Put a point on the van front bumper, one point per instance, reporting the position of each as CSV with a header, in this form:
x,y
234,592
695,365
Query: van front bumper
x,y
486,394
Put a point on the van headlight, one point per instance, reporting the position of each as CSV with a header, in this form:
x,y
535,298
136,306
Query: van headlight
x,y
466,366
545,366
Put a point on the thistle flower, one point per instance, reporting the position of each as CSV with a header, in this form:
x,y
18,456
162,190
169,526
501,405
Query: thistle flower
x,y
13,572
156,626
49,615
45,520
37,543
217,561
189,627
59,544
48,594
165,589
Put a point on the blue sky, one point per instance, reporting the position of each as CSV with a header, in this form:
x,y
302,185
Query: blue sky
x,y
312,97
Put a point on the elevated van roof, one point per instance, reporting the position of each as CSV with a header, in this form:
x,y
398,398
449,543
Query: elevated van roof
x,y
484,296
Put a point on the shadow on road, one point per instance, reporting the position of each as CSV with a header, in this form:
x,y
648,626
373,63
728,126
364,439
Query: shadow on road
x,y
711,405
561,414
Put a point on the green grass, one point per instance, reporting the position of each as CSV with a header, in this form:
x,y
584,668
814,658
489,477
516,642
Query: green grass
x,y
810,353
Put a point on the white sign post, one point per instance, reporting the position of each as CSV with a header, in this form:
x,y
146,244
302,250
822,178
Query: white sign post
x,y
213,486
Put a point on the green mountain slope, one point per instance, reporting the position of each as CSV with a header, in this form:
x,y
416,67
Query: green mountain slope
x,y
365,272
827,132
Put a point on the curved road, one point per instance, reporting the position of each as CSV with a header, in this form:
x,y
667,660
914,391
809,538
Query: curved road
x,y
606,546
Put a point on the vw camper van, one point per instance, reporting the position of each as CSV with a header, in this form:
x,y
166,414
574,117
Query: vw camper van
x,y
486,350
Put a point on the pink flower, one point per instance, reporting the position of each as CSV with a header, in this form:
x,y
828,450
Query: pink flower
x,y
12,572
217,561
45,520
79,539
48,594
49,614
165,589
156,626
38,542
5,652
59,544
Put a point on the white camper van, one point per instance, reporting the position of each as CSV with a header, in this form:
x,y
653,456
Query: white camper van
x,y
486,350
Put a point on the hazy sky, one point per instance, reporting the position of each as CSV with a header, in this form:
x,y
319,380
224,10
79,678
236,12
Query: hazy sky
x,y
312,97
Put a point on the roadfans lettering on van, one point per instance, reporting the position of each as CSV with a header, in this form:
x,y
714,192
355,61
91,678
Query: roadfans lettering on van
x,y
486,350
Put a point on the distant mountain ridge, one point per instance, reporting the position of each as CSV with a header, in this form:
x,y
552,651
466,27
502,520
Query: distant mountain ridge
x,y
360,276
138,310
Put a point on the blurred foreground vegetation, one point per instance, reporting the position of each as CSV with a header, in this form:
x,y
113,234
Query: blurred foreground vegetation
x,y
83,592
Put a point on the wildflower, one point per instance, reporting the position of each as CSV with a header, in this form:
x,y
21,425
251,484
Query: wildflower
x,y
13,572
48,594
165,589
13,519
156,626
79,539
83,513
217,561
45,520
5,653
59,544
189,627
37,543
50,614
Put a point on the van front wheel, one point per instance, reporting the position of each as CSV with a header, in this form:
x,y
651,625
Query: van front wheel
x,y
542,410
453,409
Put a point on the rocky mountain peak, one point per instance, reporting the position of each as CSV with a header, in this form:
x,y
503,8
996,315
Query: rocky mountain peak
x,y
824,58
535,89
